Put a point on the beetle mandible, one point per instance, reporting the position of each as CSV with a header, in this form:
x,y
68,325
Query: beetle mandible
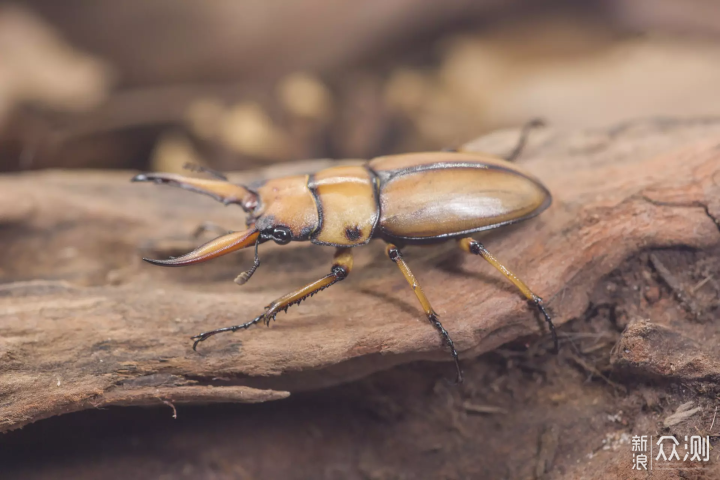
x,y
407,199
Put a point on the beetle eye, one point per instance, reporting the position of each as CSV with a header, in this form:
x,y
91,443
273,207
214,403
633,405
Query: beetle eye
x,y
281,235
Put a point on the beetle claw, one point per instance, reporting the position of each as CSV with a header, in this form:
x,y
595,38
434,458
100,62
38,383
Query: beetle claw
x,y
212,249
140,177
198,339
219,189
205,335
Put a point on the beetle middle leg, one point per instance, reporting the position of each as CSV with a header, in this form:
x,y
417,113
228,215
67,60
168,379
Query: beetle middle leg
x,y
394,254
342,265
471,245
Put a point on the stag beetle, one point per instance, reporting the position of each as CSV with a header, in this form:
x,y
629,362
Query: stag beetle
x,y
408,199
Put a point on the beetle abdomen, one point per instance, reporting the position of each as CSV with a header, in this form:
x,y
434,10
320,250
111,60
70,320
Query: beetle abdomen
x,y
428,196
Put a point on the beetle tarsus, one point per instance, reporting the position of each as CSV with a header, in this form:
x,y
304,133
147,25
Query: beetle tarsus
x,y
519,146
446,336
205,335
539,303
394,254
524,134
471,245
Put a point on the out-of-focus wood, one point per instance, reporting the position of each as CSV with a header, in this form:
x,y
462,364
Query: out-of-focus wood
x,y
84,322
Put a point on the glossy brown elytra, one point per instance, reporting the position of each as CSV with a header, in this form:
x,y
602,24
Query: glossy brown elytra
x,y
409,199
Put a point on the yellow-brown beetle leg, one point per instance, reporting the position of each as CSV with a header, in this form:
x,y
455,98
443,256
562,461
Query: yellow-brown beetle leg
x,y
342,265
471,245
394,254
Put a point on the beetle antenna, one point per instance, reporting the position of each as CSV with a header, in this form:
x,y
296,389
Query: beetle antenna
x,y
524,134
243,278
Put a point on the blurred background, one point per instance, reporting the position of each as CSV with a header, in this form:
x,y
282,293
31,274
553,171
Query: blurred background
x,y
239,84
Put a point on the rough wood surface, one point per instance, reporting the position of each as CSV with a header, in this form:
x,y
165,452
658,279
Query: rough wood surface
x,y
84,322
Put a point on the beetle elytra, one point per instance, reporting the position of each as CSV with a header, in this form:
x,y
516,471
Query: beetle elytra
x,y
408,199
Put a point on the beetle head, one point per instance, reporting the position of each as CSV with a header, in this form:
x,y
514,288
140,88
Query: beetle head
x,y
285,210
281,210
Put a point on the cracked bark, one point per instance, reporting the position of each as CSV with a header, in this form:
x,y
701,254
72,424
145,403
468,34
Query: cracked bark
x,y
85,323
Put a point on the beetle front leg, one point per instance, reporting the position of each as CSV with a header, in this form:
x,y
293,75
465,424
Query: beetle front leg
x,y
471,245
342,265
394,254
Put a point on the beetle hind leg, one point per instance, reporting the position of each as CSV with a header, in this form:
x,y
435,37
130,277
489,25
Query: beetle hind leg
x,y
524,134
471,245
519,146
342,265
394,254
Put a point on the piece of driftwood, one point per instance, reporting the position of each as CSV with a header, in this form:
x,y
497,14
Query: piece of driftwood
x,y
85,323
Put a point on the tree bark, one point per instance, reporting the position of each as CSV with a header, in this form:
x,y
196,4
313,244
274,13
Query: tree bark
x,y
85,323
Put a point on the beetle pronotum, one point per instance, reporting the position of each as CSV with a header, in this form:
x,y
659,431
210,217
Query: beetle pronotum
x,y
409,199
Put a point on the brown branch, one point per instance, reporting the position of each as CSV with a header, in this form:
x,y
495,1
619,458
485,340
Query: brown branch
x,y
84,322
